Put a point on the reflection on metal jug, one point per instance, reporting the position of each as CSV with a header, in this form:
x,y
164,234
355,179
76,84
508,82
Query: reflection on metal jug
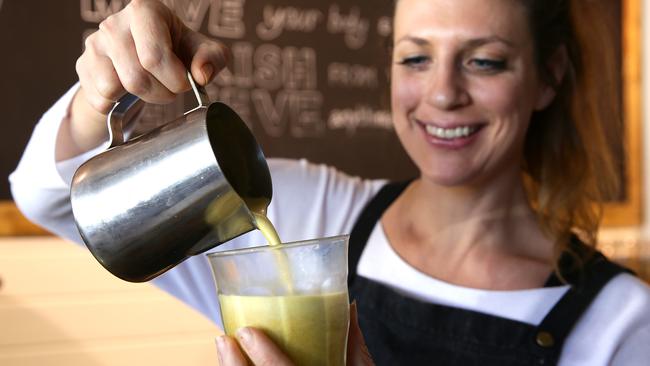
x,y
147,204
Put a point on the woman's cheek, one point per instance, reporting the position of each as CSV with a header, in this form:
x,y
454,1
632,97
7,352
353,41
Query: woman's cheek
x,y
499,100
406,92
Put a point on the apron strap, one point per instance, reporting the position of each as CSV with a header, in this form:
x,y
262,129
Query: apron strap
x,y
559,322
367,220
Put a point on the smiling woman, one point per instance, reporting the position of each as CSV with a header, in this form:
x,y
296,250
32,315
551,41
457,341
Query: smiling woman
x,y
488,255
474,101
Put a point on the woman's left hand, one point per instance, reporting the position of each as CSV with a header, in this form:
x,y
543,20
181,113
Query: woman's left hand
x,y
259,348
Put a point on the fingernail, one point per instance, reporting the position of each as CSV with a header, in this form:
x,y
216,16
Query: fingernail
x,y
244,335
207,71
221,347
220,341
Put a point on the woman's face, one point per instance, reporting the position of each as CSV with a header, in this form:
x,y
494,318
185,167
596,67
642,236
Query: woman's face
x,y
464,87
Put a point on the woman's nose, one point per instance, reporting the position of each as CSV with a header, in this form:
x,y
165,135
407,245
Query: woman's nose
x,y
446,89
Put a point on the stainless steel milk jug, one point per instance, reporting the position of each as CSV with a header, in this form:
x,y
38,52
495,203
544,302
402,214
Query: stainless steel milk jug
x,y
145,205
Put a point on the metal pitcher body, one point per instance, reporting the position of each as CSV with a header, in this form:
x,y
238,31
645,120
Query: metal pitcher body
x,y
146,205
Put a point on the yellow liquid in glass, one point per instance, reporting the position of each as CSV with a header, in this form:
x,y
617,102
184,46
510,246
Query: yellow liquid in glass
x,y
311,329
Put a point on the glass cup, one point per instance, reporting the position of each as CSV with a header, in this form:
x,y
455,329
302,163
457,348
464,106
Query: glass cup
x,y
295,292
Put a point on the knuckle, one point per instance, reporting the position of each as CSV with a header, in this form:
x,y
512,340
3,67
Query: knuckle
x,y
107,87
89,42
79,65
152,57
136,82
108,25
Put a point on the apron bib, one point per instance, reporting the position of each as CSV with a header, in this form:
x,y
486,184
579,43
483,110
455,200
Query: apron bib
x,y
400,330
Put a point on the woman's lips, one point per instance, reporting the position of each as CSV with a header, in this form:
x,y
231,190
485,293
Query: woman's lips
x,y
456,136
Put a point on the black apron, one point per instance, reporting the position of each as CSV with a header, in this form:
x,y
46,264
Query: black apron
x,y
400,330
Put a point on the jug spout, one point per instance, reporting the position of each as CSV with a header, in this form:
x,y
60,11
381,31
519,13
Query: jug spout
x,y
230,216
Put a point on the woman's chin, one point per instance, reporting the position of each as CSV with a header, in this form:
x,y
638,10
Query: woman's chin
x,y
449,179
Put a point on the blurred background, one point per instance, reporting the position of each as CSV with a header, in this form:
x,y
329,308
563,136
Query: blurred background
x,y
311,80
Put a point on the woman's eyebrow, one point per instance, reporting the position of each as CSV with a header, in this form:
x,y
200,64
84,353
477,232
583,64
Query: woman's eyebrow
x,y
474,42
477,42
417,40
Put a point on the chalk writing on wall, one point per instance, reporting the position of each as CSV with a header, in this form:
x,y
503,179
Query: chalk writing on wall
x,y
291,62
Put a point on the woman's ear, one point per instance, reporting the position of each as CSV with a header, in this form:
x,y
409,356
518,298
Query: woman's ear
x,y
557,64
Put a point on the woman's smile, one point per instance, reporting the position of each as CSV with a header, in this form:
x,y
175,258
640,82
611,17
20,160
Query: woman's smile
x,y
455,135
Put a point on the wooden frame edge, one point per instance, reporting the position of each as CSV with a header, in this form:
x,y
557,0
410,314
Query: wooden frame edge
x,y
13,223
629,213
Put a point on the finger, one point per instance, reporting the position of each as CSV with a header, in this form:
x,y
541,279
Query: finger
x,y
358,354
229,353
106,81
261,349
207,56
88,90
155,49
102,72
122,52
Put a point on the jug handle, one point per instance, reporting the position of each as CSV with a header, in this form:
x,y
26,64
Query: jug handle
x,y
128,103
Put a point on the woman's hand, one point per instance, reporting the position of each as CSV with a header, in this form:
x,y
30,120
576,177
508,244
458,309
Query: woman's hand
x,y
358,354
259,348
263,352
145,50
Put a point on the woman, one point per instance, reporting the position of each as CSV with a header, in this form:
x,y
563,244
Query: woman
x,y
477,261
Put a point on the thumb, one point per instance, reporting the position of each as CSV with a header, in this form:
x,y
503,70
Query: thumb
x,y
358,354
206,56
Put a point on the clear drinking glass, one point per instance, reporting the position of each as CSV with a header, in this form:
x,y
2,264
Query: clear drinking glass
x,y
295,292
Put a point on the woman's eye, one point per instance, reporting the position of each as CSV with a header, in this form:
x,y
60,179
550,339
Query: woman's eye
x,y
414,61
486,65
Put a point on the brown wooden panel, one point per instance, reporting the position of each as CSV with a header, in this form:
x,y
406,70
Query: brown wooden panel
x,y
194,349
43,319
13,223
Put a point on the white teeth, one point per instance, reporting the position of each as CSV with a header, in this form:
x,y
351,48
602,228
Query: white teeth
x,y
450,133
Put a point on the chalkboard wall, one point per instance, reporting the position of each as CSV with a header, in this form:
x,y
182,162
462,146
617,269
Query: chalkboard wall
x,y
310,77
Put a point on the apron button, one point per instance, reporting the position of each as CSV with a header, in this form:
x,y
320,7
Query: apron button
x,y
544,339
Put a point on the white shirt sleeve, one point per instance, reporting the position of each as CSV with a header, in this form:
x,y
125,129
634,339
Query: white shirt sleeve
x,y
615,328
635,350
39,188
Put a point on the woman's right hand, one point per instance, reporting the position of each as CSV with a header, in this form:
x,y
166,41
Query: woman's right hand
x,y
145,50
